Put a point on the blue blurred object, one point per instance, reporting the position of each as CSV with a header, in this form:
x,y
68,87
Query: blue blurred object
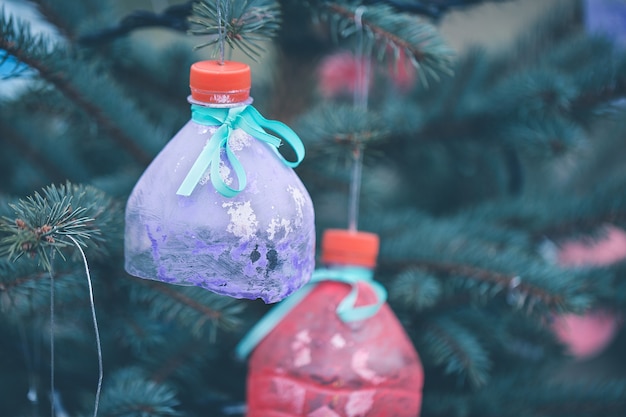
x,y
10,67
607,17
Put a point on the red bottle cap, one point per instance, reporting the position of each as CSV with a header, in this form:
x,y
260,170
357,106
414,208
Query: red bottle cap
x,y
220,83
345,247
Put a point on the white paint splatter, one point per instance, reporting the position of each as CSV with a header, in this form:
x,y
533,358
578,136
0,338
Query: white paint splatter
x,y
302,358
225,173
205,178
301,350
221,98
359,365
290,392
323,411
299,199
359,403
243,222
239,139
338,341
276,225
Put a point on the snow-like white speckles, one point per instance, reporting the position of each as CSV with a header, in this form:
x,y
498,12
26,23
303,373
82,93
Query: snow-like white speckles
x,y
239,139
301,350
205,178
225,173
276,225
323,411
243,222
337,341
300,200
178,163
359,365
359,403
221,98
290,392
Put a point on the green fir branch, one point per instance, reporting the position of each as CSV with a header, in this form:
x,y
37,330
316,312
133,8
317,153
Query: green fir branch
x,y
325,127
457,350
193,307
244,24
129,393
393,33
42,223
416,289
54,65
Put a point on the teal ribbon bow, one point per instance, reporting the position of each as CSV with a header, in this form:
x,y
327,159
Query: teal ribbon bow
x,y
346,310
248,119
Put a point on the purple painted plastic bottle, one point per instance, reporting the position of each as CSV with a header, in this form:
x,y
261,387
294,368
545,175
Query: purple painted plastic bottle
x,y
259,243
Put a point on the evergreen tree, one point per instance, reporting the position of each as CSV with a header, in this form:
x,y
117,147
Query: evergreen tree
x,y
477,173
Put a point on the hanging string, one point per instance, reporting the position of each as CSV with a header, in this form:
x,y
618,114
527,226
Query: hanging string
x,y
52,389
95,326
221,31
361,93
363,64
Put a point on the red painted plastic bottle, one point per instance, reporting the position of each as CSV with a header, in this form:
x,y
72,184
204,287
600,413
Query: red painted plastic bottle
x,y
313,364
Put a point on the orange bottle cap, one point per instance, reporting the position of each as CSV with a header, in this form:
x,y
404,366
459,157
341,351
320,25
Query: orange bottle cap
x,y
220,83
345,247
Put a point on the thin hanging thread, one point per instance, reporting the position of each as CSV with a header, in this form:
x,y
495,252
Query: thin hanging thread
x,y
95,326
361,92
52,389
221,31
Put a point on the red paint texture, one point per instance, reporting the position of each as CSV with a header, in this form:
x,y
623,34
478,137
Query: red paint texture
x,y
313,364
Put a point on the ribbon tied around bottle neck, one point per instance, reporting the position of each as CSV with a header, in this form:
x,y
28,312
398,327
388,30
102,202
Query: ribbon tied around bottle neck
x,y
347,311
250,121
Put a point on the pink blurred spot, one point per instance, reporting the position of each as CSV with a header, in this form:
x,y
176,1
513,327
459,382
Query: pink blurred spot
x,y
586,335
403,73
339,72
338,75
589,334
609,249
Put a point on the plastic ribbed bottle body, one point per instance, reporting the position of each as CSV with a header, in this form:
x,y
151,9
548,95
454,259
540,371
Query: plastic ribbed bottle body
x,y
314,364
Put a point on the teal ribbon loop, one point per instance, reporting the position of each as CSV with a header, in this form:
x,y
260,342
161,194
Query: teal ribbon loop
x,y
347,311
249,120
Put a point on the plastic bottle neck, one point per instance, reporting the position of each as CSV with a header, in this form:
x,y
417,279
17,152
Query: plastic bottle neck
x,y
246,102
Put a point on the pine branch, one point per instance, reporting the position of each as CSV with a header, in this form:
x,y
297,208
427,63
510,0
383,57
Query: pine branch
x,y
43,223
40,55
193,307
327,126
435,9
129,392
37,159
245,24
174,17
416,289
394,32
51,16
456,349
529,294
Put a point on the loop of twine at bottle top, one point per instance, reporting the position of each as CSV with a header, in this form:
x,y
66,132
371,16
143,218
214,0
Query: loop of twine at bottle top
x,y
250,121
347,311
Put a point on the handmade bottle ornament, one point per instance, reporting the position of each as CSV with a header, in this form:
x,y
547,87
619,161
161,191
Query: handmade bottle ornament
x,y
334,348
219,207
